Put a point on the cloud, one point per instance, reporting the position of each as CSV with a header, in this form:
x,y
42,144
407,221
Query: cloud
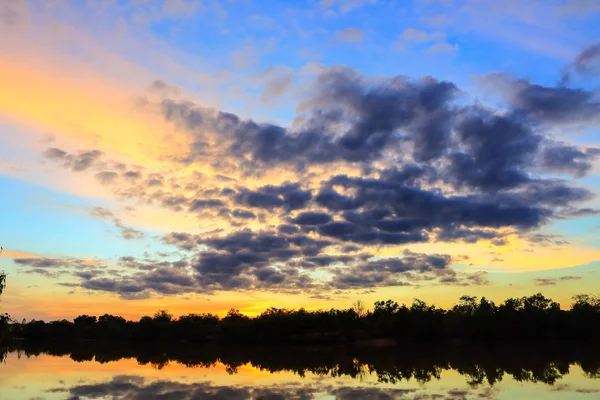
x,y
546,104
288,195
442,47
55,267
106,177
181,240
367,162
586,64
277,85
345,6
247,260
136,387
554,281
350,35
563,387
435,41
588,61
394,271
415,211
311,218
78,162
250,54
565,158
419,36
125,231
46,262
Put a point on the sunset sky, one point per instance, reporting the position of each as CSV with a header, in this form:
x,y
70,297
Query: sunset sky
x,y
198,155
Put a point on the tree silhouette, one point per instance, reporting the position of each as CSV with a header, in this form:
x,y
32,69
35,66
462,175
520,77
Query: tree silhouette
x,y
4,318
471,320
2,281
359,309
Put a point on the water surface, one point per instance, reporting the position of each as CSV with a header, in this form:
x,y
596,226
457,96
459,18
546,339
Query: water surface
x,y
89,371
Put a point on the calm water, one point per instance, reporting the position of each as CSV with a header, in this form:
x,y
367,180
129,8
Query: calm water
x,y
404,372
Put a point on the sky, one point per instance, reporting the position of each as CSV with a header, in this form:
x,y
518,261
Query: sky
x,y
198,156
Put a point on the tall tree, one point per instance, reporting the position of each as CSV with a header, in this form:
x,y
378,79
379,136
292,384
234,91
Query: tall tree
x,y
2,281
4,318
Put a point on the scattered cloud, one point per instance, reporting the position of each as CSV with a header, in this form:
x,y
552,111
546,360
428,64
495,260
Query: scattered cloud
x,y
419,36
554,281
441,47
345,6
125,231
350,35
434,41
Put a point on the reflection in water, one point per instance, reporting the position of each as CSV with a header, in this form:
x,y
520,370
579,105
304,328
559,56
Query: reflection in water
x,y
135,387
403,372
542,363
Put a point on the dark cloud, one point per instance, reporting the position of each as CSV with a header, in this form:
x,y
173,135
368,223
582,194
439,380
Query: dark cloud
x,y
326,260
288,195
244,214
382,211
153,278
394,271
311,218
373,112
564,158
203,204
496,151
265,260
550,104
55,267
470,235
249,259
287,229
45,262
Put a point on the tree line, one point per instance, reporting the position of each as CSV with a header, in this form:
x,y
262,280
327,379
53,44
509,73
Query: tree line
x,y
528,318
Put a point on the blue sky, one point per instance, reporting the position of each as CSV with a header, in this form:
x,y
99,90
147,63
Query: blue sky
x,y
127,179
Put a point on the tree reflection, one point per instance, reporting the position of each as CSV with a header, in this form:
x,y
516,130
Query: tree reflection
x,y
545,363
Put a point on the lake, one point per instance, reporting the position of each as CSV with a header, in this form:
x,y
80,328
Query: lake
x,y
417,372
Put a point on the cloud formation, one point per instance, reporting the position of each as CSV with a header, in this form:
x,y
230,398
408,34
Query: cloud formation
x,y
367,162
